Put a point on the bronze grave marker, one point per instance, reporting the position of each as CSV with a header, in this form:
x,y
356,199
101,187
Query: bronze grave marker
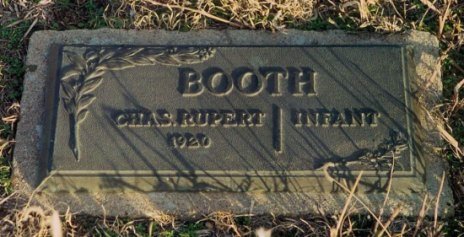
x,y
184,113
178,120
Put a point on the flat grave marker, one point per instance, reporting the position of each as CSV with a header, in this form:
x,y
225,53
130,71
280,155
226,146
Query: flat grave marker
x,y
158,121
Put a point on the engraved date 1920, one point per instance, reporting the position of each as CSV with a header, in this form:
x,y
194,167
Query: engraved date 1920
x,y
188,140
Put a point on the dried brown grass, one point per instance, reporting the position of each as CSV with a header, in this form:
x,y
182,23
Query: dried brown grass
x,y
442,17
250,14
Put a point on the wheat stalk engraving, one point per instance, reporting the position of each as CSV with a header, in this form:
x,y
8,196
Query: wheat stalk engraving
x,y
86,71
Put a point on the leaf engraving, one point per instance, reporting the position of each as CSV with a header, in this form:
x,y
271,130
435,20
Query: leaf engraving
x,y
82,115
70,72
91,85
76,59
86,73
85,101
68,90
68,105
